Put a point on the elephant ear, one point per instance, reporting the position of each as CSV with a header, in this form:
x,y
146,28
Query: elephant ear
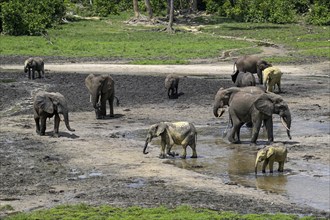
x,y
44,103
270,152
265,105
107,84
161,128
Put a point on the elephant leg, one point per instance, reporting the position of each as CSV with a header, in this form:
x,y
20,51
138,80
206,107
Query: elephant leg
x,y
111,106
238,131
271,165
268,123
103,107
43,125
255,131
162,154
39,74
264,165
184,151
29,72
168,151
259,74
56,124
33,70
37,120
280,166
193,148
279,87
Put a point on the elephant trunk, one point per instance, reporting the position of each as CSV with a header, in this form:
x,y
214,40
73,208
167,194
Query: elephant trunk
x,y
66,121
215,111
145,147
286,121
256,165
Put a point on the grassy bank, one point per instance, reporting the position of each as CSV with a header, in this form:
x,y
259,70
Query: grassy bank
x,y
107,212
146,44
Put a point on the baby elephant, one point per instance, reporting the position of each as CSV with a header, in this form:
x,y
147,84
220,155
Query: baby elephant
x,y
243,79
181,133
271,77
271,154
171,85
34,64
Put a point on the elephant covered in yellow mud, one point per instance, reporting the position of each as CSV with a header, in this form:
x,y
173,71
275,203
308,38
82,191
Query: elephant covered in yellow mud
x,y
180,133
269,155
271,77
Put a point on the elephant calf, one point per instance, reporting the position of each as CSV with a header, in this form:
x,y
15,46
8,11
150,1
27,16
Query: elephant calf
x,y
271,77
34,64
269,155
181,133
243,79
171,85
49,104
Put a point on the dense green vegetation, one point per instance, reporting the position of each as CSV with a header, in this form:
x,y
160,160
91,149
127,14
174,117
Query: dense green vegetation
x,y
107,212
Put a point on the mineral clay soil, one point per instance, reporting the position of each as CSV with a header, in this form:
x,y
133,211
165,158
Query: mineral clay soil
x,y
102,161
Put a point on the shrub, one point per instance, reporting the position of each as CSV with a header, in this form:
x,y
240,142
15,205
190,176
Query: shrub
x,y
319,14
30,17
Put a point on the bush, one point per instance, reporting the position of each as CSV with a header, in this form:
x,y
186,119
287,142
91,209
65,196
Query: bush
x,y
30,17
319,14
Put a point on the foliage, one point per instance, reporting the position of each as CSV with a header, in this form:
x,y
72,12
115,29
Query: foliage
x,y
319,13
30,17
83,211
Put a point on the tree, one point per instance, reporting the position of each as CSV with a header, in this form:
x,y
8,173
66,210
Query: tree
x,y
136,9
149,9
171,16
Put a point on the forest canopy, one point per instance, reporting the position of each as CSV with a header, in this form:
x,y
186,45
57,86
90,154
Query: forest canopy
x,y
34,17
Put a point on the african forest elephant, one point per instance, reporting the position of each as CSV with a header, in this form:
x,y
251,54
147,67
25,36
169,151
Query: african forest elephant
x,y
46,105
244,79
257,108
181,133
34,64
223,96
269,155
101,89
171,85
272,76
252,64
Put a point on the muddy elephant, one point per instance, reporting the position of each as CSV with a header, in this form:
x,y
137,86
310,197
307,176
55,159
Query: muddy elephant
x,y
180,133
101,89
252,64
244,79
269,155
257,109
34,64
49,104
171,85
272,76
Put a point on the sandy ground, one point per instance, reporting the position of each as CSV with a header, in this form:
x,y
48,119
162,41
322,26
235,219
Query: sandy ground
x,y
102,161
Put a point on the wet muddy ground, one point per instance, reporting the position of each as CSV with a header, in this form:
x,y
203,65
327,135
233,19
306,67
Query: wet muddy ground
x,y
102,161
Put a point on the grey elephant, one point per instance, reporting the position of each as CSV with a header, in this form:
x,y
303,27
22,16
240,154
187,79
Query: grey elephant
x,y
244,79
180,133
252,64
49,104
34,64
223,97
101,89
171,85
257,108
269,155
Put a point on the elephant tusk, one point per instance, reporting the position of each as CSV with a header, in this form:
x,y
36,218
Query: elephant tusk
x,y
284,124
221,113
90,98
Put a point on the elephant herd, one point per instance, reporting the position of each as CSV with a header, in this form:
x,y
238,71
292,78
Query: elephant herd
x,y
246,102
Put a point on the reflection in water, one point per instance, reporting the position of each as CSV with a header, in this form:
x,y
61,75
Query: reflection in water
x,y
272,183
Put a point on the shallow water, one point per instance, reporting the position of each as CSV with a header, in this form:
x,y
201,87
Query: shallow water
x,y
302,182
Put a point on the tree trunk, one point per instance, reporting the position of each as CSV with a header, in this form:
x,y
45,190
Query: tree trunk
x,y
149,9
171,17
136,9
194,5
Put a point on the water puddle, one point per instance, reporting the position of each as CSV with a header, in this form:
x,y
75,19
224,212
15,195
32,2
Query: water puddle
x,y
302,182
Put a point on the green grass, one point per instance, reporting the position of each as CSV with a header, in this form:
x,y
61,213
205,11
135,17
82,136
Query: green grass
x,y
114,39
86,212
